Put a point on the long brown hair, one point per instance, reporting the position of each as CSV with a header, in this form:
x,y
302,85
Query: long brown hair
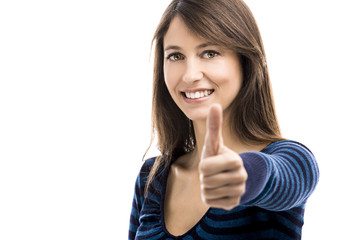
x,y
228,23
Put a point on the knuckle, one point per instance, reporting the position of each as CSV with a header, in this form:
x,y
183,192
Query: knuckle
x,y
235,201
243,177
239,177
242,190
235,163
239,189
231,160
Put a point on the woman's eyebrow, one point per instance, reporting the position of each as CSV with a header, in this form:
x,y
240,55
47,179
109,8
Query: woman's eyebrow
x,y
172,47
203,45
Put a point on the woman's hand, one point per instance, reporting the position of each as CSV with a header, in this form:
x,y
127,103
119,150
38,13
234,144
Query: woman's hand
x,y
222,173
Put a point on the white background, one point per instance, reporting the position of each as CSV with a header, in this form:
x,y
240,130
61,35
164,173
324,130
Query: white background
x,y
75,99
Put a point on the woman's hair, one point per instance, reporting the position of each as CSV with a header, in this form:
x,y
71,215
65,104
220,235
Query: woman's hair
x,y
252,115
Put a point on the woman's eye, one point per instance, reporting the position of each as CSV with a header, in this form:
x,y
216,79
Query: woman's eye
x,y
210,54
176,57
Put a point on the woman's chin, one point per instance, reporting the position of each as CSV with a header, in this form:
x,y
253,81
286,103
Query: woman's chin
x,y
197,116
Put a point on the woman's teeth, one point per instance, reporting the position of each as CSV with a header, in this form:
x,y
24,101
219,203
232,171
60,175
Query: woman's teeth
x,y
198,94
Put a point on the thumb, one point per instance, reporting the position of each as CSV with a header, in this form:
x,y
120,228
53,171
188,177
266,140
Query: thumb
x,y
213,137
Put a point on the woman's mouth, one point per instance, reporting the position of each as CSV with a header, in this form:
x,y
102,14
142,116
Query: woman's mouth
x,y
198,94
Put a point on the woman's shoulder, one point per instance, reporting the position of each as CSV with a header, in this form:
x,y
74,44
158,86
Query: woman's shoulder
x,y
144,173
148,163
146,167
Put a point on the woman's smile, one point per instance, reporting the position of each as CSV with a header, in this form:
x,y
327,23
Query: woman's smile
x,y
197,97
196,94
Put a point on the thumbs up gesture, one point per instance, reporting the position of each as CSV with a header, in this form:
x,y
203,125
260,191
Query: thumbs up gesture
x,y
222,173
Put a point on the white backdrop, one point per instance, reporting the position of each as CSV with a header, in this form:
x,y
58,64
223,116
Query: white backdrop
x,y
75,99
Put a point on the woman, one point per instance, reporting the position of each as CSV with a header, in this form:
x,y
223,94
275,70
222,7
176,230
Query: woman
x,y
225,171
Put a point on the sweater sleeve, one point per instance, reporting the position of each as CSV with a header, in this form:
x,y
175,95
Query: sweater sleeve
x,y
138,199
135,210
281,177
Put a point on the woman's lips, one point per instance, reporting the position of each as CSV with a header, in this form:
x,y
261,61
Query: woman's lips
x,y
192,96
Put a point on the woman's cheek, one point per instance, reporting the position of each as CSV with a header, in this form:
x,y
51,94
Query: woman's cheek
x,y
172,77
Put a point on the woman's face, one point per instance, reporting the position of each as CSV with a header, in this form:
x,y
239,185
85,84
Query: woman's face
x,y
199,73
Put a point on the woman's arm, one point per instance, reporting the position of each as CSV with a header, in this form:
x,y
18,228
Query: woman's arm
x,y
138,199
135,210
281,178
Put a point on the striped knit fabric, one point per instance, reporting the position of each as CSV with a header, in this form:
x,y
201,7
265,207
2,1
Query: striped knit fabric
x,y
280,179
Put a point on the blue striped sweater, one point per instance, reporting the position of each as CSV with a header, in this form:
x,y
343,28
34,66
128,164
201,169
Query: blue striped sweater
x,y
280,179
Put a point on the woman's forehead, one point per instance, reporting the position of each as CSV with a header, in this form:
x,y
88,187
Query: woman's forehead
x,y
179,34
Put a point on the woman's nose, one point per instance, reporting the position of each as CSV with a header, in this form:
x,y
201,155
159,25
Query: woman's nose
x,y
193,71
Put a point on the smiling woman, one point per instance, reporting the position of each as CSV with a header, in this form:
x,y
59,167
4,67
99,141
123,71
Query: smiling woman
x,y
225,171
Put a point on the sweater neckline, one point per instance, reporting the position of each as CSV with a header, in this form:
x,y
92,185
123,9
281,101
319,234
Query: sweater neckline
x,y
162,207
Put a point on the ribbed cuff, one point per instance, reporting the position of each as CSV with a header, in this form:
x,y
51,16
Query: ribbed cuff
x,y
258,174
